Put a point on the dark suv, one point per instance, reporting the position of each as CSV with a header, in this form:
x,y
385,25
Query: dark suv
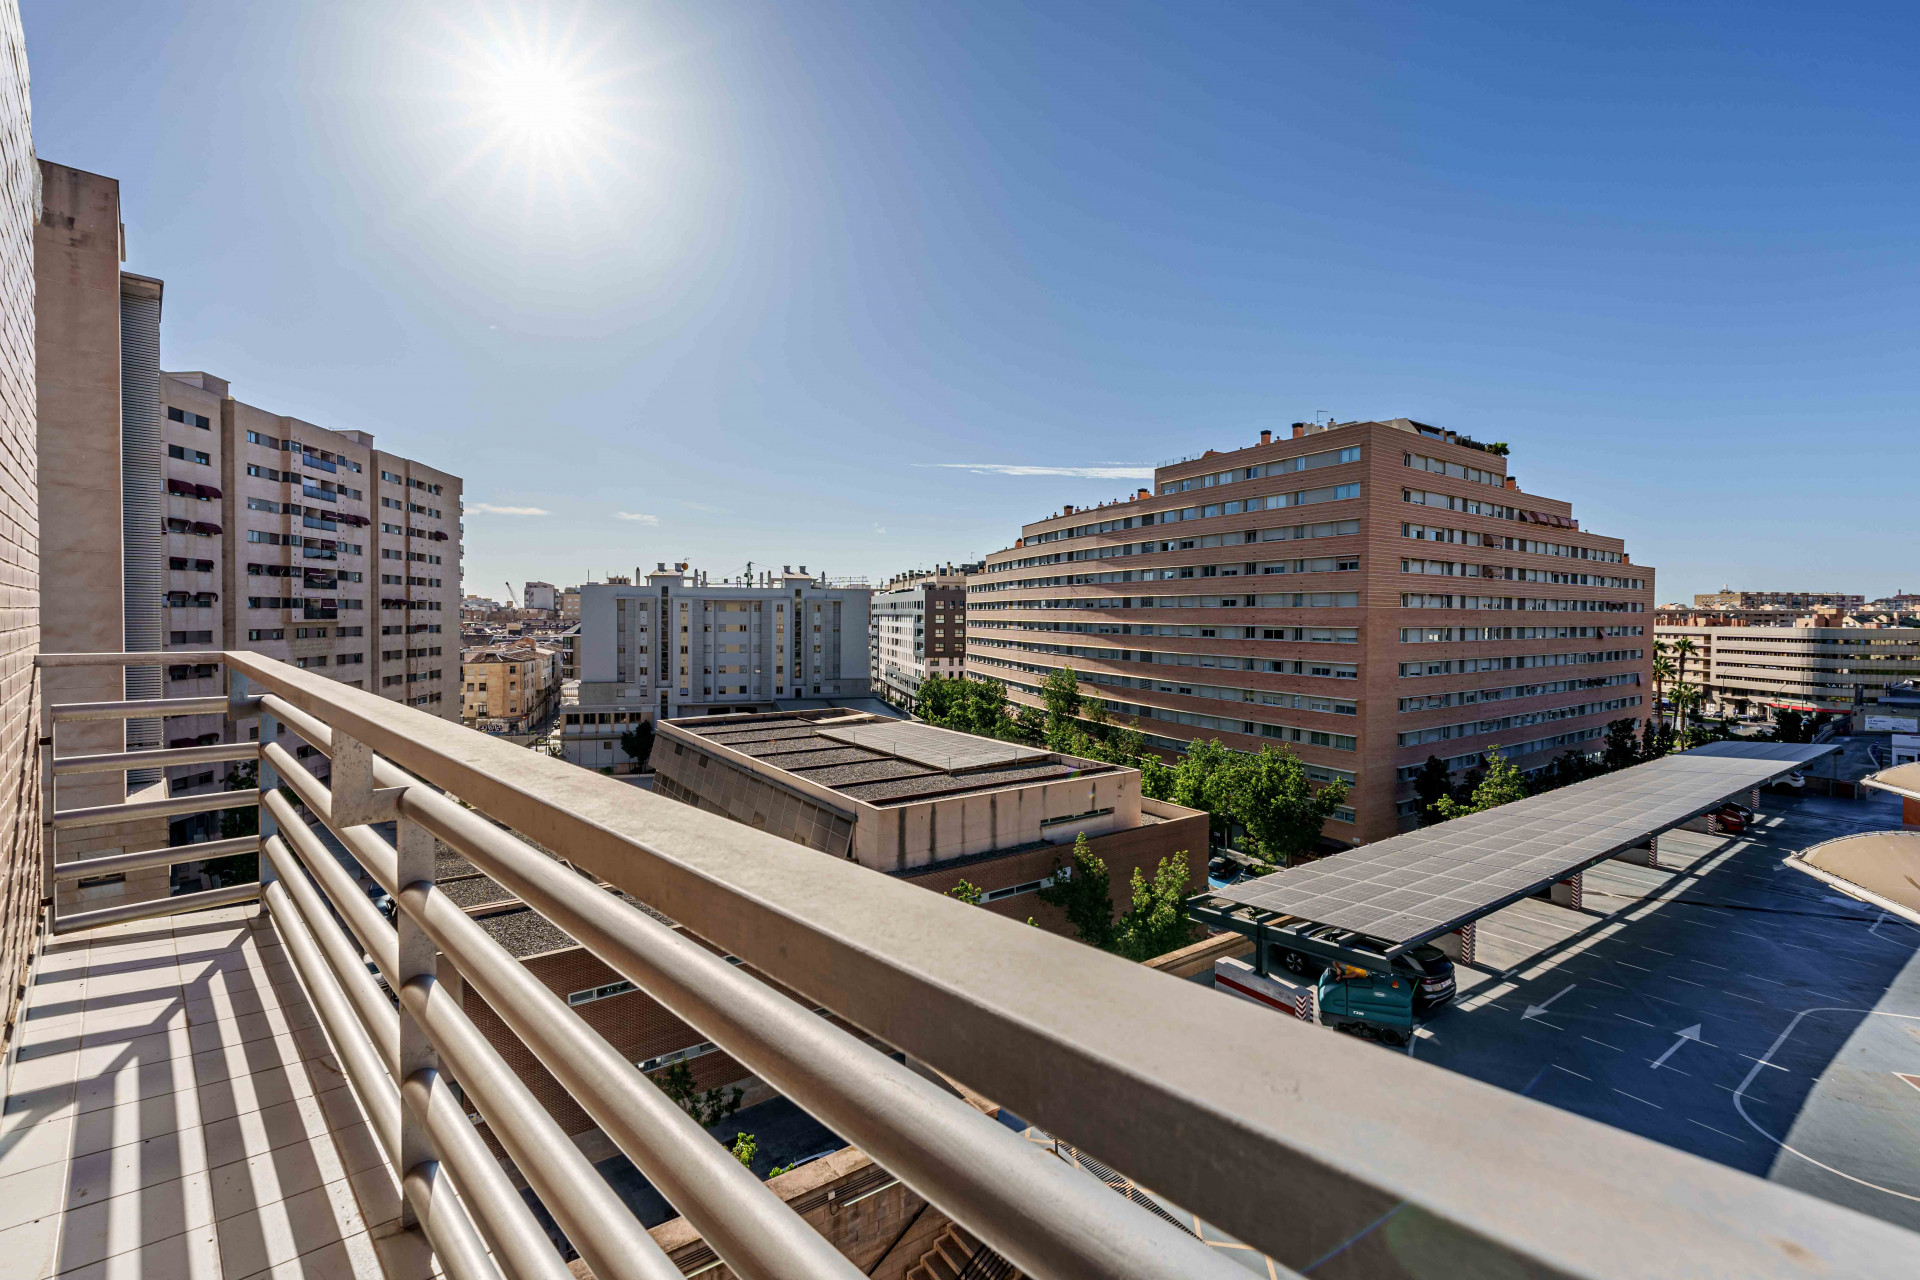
x,y
1426,965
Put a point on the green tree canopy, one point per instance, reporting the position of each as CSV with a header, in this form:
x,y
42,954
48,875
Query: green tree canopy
x,y
1083,889
1621,750
1429,785
1502,784
637,742
1270,795
1157,922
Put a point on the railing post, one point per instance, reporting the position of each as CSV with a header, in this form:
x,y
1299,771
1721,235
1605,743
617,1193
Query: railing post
x,y
418,957
269,779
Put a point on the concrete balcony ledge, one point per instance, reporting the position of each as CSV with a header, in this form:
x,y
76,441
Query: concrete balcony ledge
x,y
174,1110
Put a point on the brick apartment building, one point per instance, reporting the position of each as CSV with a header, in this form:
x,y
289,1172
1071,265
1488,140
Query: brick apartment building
x,y
1420,579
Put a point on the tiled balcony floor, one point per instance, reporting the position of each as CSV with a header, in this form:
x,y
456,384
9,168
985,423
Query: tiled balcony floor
x,y
174,1111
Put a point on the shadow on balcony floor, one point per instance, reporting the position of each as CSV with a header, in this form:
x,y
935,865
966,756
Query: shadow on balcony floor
x,y
175,1111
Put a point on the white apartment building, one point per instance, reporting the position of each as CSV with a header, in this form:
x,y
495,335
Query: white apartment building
x,y
308,545
918,629
673,644
542,596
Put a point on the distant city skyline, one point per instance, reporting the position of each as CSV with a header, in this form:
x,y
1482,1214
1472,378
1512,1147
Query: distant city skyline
x,y
872,287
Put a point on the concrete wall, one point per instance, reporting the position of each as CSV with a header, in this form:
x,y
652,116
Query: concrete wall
x,y
902,836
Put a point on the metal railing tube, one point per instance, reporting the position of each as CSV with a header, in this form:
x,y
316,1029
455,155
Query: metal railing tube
x,y
1048,1219
371,1085
178,905
456,1247
520,1246
137,709
373,1012
140,859
115,761
370,928
101,815
751,1229
442,1216
600,1226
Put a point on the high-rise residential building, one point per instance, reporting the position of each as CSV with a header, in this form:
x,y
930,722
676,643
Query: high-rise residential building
x,y
918,629
542,597
1421,585
676,644
99,495
1726,598
306,544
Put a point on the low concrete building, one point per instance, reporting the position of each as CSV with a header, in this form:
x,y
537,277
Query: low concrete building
x,y
925,803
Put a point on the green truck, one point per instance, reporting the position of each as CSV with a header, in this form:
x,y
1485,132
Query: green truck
x,y
1372,1004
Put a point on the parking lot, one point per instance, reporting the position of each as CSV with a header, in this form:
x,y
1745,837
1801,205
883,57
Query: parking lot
x,y
1724,1004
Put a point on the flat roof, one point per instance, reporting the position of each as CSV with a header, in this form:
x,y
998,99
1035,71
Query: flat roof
x,y
1902,780
884,762
1883,864
1424,883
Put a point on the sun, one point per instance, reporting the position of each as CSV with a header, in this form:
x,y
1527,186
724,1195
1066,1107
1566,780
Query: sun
x,y
536,98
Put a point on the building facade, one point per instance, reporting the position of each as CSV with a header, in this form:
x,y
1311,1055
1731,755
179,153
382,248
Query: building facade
x,y
1421,584
675,645
1726,599
306,544
509,688
1830,669
918,629
540,597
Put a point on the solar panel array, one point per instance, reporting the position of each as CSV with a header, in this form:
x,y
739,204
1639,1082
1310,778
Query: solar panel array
x,y
1428,882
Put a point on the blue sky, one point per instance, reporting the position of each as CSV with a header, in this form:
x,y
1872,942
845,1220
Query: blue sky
x,y
781,267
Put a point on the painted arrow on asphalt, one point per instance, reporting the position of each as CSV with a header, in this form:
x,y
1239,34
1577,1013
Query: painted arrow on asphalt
x,y
1681,1037
1535,1010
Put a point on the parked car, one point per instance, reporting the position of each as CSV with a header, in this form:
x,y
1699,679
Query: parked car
x,y
1793,781
1426,967
1734,817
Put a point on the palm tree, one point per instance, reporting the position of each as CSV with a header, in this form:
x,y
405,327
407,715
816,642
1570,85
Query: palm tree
x,y
1683,651
1685,698
1662,672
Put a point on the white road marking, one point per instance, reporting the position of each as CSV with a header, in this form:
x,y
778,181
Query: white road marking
x,y
1763,1062
1691,1033
1632,966
1684,981
1535,1010
1623,1093
1589,1079
1736,995
1722,1132
1622,1015
1656,950
1705,965
1743,933
1740,1099
1603,1044
1603,982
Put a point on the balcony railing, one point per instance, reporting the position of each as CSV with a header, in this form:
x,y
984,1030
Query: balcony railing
x,y
1330,1155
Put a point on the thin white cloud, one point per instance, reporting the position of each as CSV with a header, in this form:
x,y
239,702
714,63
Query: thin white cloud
x,y
1017,469
637,516
699,506
878,529
488,509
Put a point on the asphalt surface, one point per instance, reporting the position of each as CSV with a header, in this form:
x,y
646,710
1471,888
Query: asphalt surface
x,y
1724,1004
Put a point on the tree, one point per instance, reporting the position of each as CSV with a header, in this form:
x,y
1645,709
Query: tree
x,y
1084,890
1157,922
1156,777
1655,740
708,1108
1620,750
1662,672
1198,783
1685,697
1270,795
1061,692
745,1148
637,742
967,893
1501,785
1429,785
1790,725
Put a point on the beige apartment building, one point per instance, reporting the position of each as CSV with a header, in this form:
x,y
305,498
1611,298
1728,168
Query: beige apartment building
x,y
1365,594
1800,668
307,544
1727,599
516,686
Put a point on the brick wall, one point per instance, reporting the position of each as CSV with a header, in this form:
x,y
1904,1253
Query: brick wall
x,y
19,523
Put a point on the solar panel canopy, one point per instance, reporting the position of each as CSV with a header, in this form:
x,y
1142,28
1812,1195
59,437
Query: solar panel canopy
x,y
1424,883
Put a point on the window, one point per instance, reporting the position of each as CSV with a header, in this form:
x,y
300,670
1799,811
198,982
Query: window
x,y
199,420
189,455
266,633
